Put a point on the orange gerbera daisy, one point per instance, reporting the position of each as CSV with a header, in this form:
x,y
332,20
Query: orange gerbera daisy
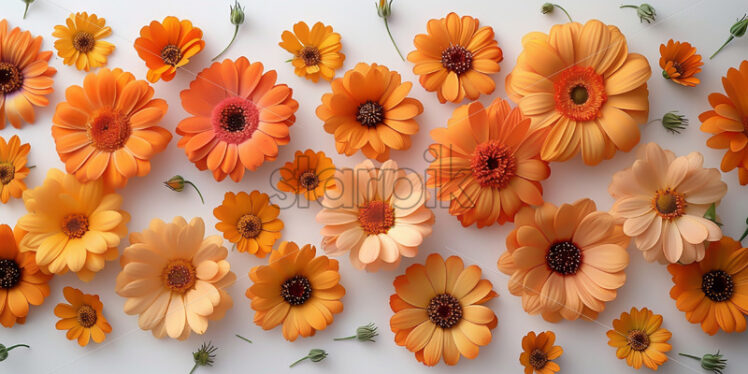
x,y
297,289
249,221
714,291
580,83
368,111
456,56
13,169
661,201
728,121
638,337
80,42
83,317
565,262
174,278
439,310
309,174
108,129
21,281
239,118
377,215
679,63
25,76
168,45
539,352
487,163
316,52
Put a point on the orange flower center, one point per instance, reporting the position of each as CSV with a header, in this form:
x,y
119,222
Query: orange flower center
x,y
444,310
538,359
718,285
669,204
370,114
564,258
296,290
11,79
638,340
457,59
376,217
493,164
310,55
309,180
75,225
87,316
109,130
7,172
10,274
171,54
83,41
580,93
249,226
179,275
235,119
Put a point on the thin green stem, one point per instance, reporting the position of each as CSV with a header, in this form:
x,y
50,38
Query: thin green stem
x,y
691,356
243,338
630,6
745,233
193,368
26,10
32,166
236,31
387,26
723,46
198,191
298,361
564,10
16,346
346,338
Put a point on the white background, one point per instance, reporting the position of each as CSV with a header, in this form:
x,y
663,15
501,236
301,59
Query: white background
x,y
128,349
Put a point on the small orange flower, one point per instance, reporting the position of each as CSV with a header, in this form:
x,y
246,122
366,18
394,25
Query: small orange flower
x,y
539,352
83,317
80,42
309,174
168,45
368,111
13,169
679,63
456,57
638,338
316,52
249,221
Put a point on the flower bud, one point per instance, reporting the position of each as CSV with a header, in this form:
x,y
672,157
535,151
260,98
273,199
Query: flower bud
x,y
317,355
738,29
176,183
646,13
4,350
237,13
547,8
384,9
674,122
366,333
713,362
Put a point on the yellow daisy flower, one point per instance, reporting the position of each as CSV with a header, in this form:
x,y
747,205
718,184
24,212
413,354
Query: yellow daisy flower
x,y
316,51
250,221
80,42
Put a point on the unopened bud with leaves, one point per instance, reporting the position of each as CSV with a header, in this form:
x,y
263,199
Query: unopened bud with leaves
x,y
645,12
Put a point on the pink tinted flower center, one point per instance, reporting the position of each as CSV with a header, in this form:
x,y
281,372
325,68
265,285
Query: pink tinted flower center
x,y
235,119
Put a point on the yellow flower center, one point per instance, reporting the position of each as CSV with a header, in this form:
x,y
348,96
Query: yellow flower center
x,y
457,59
235,119
579,93
376,217
84,42
87,316
310,55
171,54
370,114
669,204
309,180
249,226
538,359
638,340
444,310
296,290
493,165
109,130
7,172
75,225
10,274
718,285
179,276
11,78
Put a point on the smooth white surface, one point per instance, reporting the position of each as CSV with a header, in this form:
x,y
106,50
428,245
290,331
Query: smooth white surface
x,y
128,349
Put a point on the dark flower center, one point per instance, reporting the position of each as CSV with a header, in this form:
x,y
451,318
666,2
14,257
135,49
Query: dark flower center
x,y
249,226
75,225
717,285
309,180
579,94
444,310
493,165
11,79
310,55
564,258
669,203
457,59
179,275
171,55
84,41
296,290
109,130
538,359
10,274
87,316
7,172
376,217
638,340
235,119
370,114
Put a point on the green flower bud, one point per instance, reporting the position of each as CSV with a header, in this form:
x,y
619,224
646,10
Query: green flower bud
x,y
177,183
4,350
384,9
316,355
674,122
711,362
237,13
645,12
204,356
738,29
364,333
547,8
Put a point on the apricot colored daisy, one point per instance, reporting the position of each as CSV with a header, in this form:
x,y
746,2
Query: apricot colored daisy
x,y
168,45
661,200
83,317
487,163
173,278
13,169
727,122
638,338
72,226
376,214
309,174
538,353
455,58
239,118
439,310
81,44
580,83
297,289
249,221
22,283
679,63
368,111
714,291
565,262
25,76
316,52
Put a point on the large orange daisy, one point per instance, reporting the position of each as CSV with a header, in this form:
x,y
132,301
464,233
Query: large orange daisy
x,y
565,262
239,118
728,121
456,57
580,82
108,128
368,111
168,45
487,163
25,76
13,169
